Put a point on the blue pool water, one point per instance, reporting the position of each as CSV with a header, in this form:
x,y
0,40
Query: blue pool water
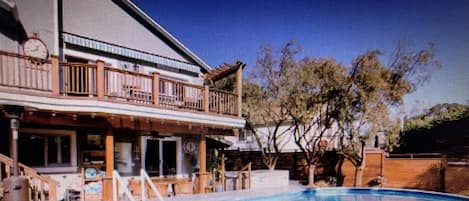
x,y
365,194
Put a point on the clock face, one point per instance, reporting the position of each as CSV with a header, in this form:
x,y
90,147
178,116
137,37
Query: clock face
x,y
190,147
34,47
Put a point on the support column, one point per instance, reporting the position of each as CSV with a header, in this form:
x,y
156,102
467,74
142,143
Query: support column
x,y
109,146
55,75
100,78
14,125
202,175
156,82
206,98
202,154
239,89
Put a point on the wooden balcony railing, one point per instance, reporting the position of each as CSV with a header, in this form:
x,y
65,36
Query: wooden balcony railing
x,y
25,72
98,81
128,86
173,94
78,79
223,102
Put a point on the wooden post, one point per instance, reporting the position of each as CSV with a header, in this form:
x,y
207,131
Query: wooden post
x,y
52,191
109,146
156,82
202,154
223,171
206,98
100,78
250,175
202,165
239,88
55,75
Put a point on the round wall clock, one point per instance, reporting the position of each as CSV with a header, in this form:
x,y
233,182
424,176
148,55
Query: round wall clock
x,y
34,47
190,146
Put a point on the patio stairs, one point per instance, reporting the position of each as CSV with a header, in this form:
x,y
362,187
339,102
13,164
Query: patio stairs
x,y
42,188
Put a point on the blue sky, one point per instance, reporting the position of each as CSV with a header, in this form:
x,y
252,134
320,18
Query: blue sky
x,y
229,30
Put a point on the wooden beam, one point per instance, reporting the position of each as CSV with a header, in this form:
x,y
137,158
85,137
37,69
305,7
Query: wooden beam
x,y
202,175
100,78
55,75
61,120
239,87
109,150
156,82
202,154
206,98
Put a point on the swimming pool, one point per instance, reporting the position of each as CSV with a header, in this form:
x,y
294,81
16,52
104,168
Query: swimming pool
x,y
359,194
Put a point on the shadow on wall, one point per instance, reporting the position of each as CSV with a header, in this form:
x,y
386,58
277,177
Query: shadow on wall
x,y
456,179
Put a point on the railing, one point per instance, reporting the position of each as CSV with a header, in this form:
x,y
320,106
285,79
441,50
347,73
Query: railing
x,y
25,72
95,80
78,79
42,188
116,182
246,168
144,177
223,102
128,86
173,94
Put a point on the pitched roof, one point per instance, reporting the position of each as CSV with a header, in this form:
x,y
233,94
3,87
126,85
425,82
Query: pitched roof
x,y
143,16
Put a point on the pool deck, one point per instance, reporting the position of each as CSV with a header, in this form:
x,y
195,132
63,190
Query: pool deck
x,y
230,195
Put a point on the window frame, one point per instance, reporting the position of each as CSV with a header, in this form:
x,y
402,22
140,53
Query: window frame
x,y
72,166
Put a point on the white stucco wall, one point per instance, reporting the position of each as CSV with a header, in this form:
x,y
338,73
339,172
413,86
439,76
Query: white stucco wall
x,y
38,17
105,21
8,44
286,140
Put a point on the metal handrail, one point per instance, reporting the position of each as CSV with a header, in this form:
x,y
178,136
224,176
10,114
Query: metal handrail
x,y
117,178
144,177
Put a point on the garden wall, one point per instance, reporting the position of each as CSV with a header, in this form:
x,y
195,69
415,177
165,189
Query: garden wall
x,y
457,178
433,173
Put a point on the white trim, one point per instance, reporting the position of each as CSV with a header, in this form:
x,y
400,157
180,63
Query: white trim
x,y
67,105
7,5
56,27
73,148
56,169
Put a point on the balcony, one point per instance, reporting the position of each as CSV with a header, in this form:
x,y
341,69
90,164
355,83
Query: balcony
x,y
52,78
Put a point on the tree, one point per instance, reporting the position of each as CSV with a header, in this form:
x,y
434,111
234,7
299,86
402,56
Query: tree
x,y
312,106
263,95
372,89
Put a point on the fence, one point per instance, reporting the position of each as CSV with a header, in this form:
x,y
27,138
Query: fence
x,y
417,171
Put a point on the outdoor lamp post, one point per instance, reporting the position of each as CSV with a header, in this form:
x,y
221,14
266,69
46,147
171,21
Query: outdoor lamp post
x,y
16,187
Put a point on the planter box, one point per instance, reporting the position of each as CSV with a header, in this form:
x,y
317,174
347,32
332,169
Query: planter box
x,y
260,179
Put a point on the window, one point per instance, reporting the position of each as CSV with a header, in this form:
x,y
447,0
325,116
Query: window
x,y
48,150
245,135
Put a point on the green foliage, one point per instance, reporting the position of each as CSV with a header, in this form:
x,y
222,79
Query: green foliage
x,y
441,129
436,115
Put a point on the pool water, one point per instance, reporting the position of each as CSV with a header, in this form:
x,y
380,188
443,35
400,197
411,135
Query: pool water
x,y
366,194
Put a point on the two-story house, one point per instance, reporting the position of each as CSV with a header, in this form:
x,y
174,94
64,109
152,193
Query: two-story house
x,y
99,84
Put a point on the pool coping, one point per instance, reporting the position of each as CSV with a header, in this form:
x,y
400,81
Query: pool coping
x,y
266,192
